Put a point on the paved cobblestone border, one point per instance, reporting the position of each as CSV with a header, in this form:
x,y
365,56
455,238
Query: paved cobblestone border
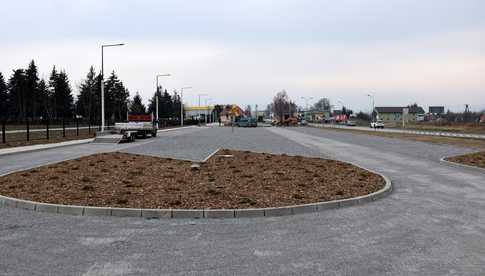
x,y
461,166
196,213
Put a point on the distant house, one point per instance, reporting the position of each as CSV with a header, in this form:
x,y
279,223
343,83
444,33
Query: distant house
x,y
482,119
437,110
395,114
316,115
230,112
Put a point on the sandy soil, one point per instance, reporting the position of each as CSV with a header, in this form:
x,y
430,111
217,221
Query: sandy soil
x,y
230,179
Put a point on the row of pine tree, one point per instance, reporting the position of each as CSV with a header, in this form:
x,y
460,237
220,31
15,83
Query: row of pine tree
x,y
25,96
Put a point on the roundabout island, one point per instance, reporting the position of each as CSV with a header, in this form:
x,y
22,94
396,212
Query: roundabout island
x,y
228,184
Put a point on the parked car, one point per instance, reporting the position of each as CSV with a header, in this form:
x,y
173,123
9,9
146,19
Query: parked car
x,y
377,124
351,123
303,122
247,122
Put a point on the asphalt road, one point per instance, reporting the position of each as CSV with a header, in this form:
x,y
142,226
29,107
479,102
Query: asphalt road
x,y
432,224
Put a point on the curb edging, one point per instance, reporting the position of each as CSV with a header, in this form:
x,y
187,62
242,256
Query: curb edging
x,y
196,213
33,148
460,166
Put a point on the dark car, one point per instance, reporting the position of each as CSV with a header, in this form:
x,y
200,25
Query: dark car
x,y
247,122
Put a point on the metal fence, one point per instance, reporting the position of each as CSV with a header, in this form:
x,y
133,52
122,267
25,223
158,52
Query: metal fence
x,y
32,130
62,129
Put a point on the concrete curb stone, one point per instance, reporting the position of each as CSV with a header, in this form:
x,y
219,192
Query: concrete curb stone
x,y
188,213
278,211
97,211
460,166
26,149
25,204
157,213
70,210
46,207
219,213
199,213
322,206
125,212
248,213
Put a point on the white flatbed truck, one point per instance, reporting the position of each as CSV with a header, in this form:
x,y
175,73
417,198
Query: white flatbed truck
x,y
137,125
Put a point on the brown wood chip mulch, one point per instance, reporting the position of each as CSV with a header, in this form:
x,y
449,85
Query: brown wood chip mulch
x,y
230,179
474,159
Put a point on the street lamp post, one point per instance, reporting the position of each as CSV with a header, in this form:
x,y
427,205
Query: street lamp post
x,y
306,105
342,103
102,81
156,97
373,106
200,95
207,102
306,99
182,105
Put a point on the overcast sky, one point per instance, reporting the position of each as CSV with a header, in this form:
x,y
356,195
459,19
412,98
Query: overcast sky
x,y
402,51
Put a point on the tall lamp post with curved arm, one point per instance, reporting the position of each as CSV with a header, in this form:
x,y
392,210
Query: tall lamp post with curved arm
x,y
182,104
102,81
373,106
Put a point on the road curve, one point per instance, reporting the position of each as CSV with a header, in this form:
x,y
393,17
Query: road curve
x,y
432,224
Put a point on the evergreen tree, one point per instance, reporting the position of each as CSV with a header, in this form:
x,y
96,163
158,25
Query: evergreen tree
x,y
152,103
176,105
116,99
64,96
52,92
43,107
16,95
3,98
31,97
168,105
137,105
61,95
89,99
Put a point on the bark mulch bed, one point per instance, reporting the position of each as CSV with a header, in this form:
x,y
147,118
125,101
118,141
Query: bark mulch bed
x,y
474,159
230,179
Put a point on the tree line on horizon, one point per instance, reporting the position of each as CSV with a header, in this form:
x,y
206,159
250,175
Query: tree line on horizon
x,y
25,96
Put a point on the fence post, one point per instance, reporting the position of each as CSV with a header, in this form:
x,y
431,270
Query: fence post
x,y
4,137
47,128
89,126
28,129
77,126
63,128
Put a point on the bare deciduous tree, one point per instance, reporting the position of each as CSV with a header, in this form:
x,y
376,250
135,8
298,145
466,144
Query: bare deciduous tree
x,y
283,106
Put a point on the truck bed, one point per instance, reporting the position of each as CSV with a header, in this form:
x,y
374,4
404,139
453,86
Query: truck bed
x,y
134,126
